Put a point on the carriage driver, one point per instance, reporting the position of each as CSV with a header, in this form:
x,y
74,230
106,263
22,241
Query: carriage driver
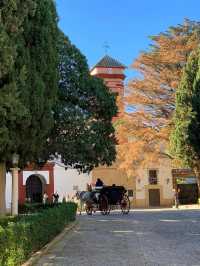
x,y
99,183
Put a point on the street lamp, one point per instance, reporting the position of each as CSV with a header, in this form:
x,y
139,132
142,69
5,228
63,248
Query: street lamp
x,y
14,170
15,159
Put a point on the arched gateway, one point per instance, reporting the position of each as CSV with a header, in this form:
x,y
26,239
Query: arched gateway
x,y
35,187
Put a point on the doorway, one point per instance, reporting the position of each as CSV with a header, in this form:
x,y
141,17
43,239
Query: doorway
x,y
34,188
188,193
154,197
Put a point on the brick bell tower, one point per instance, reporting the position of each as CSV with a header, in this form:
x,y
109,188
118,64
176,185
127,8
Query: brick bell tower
x,y
112,72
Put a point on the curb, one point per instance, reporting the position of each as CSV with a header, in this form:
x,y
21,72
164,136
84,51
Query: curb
x,y
187,207
37,255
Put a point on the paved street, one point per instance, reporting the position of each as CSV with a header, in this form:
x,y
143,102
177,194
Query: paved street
x,y
140,238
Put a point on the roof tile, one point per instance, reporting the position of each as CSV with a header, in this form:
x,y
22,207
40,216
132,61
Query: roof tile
x,y
108,61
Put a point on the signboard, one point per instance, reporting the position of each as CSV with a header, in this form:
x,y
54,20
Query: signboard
x,y
186,180
177,172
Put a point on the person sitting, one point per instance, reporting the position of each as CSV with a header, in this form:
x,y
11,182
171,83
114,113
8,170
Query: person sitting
x,y
99,183
98,186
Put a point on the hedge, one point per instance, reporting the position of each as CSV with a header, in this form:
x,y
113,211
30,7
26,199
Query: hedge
x,y
19,239
35,207
4,221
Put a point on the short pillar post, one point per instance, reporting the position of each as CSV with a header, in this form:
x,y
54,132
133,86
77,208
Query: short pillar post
x,y
14,203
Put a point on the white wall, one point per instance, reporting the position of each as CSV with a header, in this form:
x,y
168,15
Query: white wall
x,y
141,181
165,174
66,180
164,178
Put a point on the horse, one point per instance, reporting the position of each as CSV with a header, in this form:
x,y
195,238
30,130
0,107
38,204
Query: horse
x,y
84,199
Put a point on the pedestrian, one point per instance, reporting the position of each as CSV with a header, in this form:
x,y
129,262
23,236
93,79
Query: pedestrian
x,y
176,196
55,197
45,198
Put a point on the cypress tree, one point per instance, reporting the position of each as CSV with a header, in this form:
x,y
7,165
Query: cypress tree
x,y
13,114
28,80
39,93
185,138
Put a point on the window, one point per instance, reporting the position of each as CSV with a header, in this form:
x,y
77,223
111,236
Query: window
x,y
75,188
110,70
153,177
130,192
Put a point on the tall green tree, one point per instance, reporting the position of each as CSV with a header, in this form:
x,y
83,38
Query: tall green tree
x,y
39,92
185,138
28,80
83,132
12,112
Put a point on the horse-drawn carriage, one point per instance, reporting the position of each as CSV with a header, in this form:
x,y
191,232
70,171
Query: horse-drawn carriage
x,y
107,198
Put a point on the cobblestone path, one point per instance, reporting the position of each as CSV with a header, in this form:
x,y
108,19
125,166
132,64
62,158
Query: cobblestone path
x,y
140,238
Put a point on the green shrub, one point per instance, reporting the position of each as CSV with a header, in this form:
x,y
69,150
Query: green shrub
x,y
28,234
35,207
4,221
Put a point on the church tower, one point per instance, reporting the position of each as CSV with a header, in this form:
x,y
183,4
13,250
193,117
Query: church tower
x,y
112,72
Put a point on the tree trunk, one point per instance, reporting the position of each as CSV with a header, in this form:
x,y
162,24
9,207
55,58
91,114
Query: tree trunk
x,y
197,174
2,189
198,184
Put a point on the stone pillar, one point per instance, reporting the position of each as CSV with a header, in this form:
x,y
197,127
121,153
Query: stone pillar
x,y
14,204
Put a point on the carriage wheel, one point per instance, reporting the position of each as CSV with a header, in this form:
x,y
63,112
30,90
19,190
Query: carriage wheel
x,y
103,205
125,204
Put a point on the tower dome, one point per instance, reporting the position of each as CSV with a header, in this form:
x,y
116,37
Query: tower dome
x,y
112,72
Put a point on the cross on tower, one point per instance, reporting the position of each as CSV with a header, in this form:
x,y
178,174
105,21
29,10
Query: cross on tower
x,y
106,47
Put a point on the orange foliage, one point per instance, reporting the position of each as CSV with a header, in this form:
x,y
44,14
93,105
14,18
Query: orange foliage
x,y
143,134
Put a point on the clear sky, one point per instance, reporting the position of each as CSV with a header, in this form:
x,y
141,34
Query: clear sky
x,y
124,24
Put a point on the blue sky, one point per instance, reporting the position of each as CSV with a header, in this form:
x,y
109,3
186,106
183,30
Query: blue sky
x,y
124,24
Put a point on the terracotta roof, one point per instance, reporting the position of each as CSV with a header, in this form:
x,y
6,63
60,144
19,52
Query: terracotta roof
x,y
108,61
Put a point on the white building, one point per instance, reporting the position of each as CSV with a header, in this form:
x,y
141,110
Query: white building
x,y
52,177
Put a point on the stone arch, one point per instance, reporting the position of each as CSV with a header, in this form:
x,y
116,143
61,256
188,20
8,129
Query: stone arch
x,y
35,187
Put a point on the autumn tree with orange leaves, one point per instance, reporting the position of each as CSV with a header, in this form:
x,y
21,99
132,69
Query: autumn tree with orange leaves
x,y
144,134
